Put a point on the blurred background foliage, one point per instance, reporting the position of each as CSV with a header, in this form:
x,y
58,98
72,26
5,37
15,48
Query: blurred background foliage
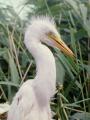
x,y
72,17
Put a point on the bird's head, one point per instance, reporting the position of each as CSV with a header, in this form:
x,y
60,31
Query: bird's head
x,y
43,29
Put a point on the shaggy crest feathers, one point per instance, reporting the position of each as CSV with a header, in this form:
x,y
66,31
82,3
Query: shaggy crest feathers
x,y
42,19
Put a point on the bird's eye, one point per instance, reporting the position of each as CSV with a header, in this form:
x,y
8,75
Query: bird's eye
x,y
50,33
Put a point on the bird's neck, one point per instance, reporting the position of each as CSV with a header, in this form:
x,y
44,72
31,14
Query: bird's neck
x,y
45,80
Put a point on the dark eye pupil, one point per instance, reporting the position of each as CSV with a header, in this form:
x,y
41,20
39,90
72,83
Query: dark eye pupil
x,y
50,33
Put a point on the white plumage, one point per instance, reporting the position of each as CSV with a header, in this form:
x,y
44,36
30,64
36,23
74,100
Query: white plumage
x,y
32,101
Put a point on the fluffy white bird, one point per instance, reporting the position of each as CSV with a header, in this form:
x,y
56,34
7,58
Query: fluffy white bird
x,y
32,101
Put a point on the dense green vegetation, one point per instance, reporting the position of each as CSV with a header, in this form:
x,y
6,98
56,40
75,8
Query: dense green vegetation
x,y
72,101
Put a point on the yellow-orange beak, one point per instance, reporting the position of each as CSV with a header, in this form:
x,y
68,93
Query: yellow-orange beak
x,y
58,42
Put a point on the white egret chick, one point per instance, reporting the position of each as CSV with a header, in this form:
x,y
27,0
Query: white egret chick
x,y
32,101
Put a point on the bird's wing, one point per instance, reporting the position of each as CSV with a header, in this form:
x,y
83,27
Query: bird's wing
x,y
23,102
